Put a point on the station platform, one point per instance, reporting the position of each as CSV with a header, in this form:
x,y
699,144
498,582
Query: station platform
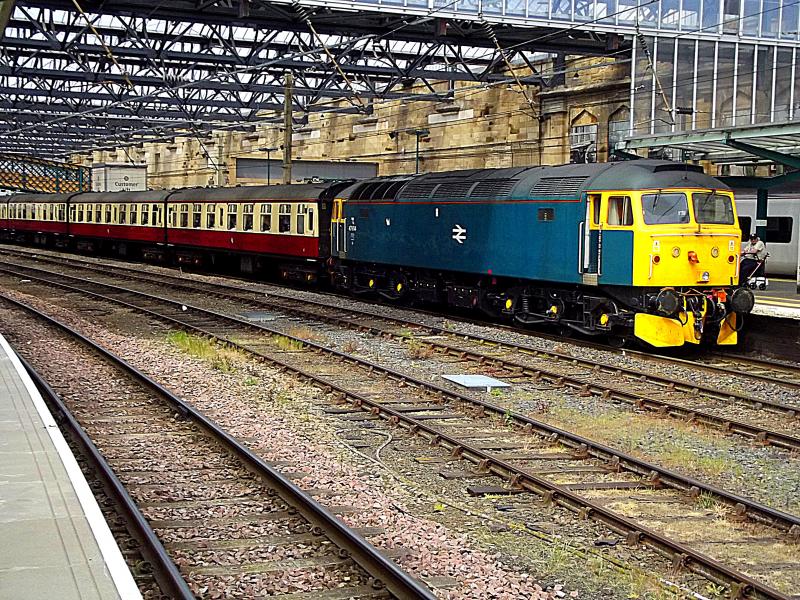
x,y
779,300
54,540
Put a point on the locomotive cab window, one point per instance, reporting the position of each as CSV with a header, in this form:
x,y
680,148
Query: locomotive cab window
x,y
745,224
665,208
712,208
620,211
284,218
247,217
266,217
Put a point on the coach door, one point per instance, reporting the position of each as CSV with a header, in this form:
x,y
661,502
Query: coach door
x,y
338,229
591,242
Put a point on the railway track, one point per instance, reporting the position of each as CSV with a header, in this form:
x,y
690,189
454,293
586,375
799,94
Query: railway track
x,y
168,475
561,468
715,363
756,417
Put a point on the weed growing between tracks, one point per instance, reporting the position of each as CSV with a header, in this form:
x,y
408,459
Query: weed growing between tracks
x,y
219,357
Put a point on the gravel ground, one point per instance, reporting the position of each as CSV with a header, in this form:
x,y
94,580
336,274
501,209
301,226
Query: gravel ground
x,y
536,400
245,410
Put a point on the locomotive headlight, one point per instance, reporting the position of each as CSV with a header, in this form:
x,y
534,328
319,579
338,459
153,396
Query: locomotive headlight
x,y
706,276
676,252
715,252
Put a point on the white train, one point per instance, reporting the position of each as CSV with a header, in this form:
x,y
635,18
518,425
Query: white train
x,y
783,228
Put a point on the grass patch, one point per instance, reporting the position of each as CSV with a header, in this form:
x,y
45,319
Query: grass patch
x,y
287,344
307,333
220,357
419,350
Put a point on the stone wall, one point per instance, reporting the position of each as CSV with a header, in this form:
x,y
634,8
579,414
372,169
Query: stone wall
x,y
484,126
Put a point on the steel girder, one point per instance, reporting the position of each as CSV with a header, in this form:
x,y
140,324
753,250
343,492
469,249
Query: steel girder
x,y
123,72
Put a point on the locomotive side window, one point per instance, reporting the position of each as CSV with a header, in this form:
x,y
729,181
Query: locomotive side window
x,y
620,212
284,218
184,215
595,212
247,217
712,208
197,216
210,216
660,209
134,215
232,216
266,217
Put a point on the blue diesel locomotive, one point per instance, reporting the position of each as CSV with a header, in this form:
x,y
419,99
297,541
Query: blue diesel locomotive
x,y
641,248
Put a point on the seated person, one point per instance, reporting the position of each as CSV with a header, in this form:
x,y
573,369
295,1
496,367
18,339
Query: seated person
x,y
753,253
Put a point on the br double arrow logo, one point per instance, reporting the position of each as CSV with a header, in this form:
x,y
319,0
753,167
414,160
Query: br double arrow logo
x,y
459,234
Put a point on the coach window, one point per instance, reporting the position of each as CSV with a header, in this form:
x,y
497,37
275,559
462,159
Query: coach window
x,y
779,230
310,220
145,214
232,216
80,213
61,211
172,213
134,215
123,214
197,216
108,214
98,212
210,216
157,216
72,212
620,212
301,219
284,218
266,217
184,215
247,217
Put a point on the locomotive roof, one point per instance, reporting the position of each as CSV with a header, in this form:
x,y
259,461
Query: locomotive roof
x,y
526,182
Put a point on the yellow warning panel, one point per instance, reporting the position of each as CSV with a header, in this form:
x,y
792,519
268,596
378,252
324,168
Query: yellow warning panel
x,y
728,336
660,332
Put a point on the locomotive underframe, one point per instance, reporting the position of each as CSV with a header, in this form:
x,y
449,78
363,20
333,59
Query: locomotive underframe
x,y
601,310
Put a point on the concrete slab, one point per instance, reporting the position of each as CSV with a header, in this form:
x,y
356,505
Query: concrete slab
x,y
54,542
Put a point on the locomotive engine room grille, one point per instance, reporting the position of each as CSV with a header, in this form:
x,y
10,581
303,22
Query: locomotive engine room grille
x,y
493,188
558,185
